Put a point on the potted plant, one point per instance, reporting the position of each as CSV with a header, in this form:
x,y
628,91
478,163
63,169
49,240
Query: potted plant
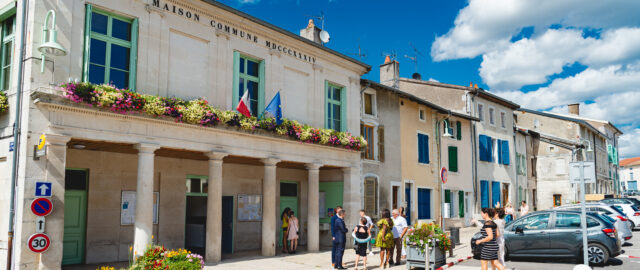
x,y
426,237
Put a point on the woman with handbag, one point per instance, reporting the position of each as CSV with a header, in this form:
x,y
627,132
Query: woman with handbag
x,y
490,246
384,239
294,230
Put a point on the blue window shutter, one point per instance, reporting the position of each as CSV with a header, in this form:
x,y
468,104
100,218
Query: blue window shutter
x,y
505,149
489,149
484,193
420,149
482,146
426,147
500,153
495,193
424,203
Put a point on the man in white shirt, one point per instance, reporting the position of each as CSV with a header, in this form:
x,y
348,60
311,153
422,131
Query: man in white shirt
x,y
370,226
524,209
400,228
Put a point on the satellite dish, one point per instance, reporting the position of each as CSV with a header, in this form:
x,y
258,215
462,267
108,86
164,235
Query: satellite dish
x,y
324,36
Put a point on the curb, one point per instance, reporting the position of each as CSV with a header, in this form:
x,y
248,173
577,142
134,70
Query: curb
x,y
453,263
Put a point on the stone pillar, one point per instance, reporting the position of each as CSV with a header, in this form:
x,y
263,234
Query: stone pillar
x,y
143,227
313,218
214,208
269,207
351,197
55,172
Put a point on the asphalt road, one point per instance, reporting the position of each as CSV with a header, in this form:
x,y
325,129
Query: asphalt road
x,y
629,260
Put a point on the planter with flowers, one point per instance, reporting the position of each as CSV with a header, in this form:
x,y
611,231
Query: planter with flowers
x,y
199,112
158,257
426,237
4,102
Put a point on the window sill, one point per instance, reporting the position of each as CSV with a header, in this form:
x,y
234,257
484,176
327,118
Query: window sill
x,y
371,161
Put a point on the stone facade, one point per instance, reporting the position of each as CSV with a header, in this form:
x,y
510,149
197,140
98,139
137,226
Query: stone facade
x,y
184,49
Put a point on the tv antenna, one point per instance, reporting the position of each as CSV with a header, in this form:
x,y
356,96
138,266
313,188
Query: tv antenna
x,y
324,35
393,55
415,56
360,54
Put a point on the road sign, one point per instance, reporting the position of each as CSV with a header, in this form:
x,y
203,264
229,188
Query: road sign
x,y
589,172
39,224
41,207
43,189
39,242
11,146
443,175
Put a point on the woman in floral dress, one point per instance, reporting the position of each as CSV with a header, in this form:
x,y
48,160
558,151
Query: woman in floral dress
x,y
384,239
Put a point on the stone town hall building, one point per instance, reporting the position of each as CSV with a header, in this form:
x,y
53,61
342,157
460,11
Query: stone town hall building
x,y
118,179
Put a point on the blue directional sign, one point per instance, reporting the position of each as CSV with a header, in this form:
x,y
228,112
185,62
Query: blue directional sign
x,y
43,189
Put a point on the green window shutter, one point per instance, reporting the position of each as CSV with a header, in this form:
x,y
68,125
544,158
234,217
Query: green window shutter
x,y
133,60
615,155
87,42
447,196
453,158
459,130
326,104
343,109
261,88
236,80
461,203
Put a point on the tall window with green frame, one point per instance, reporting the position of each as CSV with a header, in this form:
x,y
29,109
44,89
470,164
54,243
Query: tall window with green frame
x,y
110,49
248,75
8,32
335,112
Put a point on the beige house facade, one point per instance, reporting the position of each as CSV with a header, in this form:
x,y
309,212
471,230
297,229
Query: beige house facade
x,y
123,181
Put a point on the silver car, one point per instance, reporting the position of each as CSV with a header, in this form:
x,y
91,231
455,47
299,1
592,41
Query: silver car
x,y
558,233
622,223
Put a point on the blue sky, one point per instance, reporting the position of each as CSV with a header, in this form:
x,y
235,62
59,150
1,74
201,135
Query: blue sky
x,y
542,54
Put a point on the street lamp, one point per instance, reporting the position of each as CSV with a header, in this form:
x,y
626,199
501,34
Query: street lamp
x,y
50,45
589,149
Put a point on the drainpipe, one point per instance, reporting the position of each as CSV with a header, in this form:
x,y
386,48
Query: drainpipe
x,y
16,134
476,201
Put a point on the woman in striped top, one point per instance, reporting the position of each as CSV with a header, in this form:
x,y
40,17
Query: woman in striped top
x,y
490,246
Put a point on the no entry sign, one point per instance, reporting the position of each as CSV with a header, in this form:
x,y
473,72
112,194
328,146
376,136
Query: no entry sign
x,y
41,207
39,242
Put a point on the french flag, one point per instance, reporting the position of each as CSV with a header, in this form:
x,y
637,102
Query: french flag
x,y
243,105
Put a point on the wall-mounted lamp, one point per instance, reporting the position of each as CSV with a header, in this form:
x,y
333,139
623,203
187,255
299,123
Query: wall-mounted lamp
x,y
589,149
50,45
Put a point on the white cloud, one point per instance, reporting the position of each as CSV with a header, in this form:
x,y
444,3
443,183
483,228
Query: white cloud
x,y
628,143
586,85
532,61
432,80
488,25
248,1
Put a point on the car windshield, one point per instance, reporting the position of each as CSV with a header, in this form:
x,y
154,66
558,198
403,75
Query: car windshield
x,y
608,218
635,208
618,209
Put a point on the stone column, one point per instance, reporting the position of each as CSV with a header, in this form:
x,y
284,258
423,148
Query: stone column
x,y
351,197
143,227
214,208
313,218
54,172
269,207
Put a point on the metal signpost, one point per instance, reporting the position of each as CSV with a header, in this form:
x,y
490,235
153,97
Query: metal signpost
x,y
443,177
582,172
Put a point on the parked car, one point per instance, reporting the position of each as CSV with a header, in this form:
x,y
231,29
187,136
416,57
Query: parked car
x,y
620,221
558,233
633,201
631,211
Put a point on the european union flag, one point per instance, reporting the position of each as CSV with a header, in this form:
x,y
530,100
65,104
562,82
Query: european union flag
x,y
274,109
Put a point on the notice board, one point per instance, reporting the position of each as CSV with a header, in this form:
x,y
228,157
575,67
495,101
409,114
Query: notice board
x,y
249,207
128,207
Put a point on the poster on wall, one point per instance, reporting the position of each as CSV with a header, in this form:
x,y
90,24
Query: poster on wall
x,y
128,207
321,205
249,207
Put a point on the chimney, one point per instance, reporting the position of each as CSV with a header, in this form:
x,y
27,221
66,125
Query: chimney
x,y
390,72
574,108
312,32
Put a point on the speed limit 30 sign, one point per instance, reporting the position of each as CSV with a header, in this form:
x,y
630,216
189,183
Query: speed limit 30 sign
x,y
39,242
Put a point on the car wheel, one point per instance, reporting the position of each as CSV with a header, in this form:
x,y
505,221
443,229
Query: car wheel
x,y
633,225
506,254
597,253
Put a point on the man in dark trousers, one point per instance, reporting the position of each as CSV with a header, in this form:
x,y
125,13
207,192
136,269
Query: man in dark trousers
x,y
333,236
340,232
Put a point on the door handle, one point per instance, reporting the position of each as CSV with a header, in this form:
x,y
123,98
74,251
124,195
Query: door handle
x,y
542,232
578,231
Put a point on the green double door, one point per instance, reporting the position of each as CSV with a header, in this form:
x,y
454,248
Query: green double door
x,y
75,216
288,198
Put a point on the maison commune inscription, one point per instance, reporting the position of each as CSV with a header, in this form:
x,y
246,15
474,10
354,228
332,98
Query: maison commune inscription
x,y
191,15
